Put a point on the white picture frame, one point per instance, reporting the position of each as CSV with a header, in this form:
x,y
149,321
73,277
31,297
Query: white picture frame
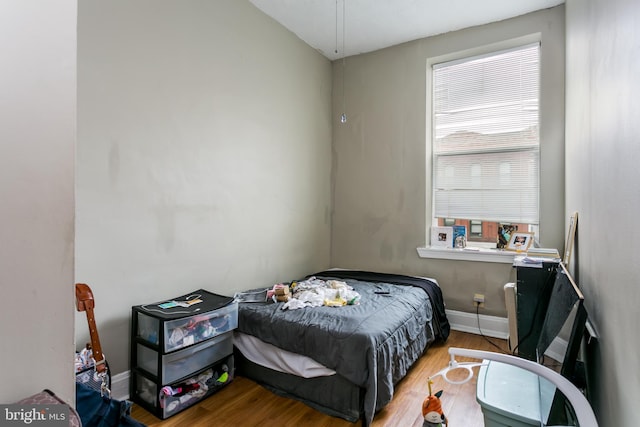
x,y
520,241
442,237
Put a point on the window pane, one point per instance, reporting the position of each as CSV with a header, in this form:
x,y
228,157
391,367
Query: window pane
x,y
485,137
475,228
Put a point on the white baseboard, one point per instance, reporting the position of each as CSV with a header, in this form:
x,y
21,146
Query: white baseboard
x,y
120,386
490,326
497,327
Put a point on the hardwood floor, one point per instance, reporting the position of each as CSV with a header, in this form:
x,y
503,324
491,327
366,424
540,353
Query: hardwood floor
x,y
245,403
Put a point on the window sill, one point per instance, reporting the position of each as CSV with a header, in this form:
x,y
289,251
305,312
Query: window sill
x,y
468,254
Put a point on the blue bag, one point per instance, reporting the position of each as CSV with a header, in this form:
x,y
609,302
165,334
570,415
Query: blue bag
x,y
99,410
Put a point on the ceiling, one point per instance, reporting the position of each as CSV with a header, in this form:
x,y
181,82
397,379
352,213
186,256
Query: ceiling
x,y
375,24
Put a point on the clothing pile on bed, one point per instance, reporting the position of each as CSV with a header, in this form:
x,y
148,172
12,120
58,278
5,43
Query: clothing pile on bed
x,y
314,292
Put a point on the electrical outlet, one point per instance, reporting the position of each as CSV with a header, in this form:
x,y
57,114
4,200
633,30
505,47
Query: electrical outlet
x,y
478,299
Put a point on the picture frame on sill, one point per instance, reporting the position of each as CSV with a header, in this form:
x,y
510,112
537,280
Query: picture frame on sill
x,y
520,241
504,234
442,237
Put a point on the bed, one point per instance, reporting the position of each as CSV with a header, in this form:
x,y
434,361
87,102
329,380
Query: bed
x,y
360,351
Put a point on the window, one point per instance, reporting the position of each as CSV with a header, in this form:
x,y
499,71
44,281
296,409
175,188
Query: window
x,y
485,139
475,229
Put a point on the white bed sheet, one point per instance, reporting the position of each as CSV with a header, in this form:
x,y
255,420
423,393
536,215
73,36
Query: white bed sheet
x,y
272,357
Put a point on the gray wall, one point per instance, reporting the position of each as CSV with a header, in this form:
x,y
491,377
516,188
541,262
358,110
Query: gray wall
x,y
382,167
204,155
603,130
37,143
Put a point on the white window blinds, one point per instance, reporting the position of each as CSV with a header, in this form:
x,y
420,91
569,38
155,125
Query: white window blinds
x,y
485,137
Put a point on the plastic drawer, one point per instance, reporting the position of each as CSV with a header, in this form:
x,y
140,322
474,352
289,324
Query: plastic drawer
x,y
172,330
191,330
211,380
163,404
182,363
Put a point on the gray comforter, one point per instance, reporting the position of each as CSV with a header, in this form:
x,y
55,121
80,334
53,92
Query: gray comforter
x,y
372,344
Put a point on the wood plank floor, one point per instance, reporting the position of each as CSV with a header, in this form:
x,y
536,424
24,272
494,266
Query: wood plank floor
x,y
245,403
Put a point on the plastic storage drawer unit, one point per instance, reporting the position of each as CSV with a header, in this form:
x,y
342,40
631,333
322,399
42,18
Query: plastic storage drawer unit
x,y
181,350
